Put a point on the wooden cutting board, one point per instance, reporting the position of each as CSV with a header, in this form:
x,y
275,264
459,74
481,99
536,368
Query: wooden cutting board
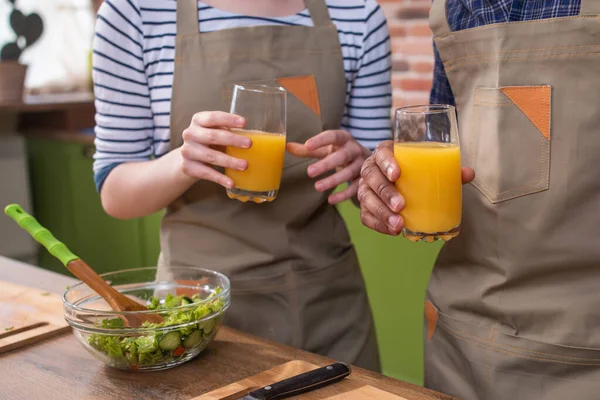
x,y
28,315
348,389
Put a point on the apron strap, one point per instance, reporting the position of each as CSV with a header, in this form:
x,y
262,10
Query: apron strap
x,y
319,12
590,7
438,21
187,18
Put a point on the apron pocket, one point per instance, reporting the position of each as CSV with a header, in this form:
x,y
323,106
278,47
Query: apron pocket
x,y
261,305
497,365
334,311
508,144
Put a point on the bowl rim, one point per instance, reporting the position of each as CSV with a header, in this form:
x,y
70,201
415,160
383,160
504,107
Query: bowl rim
x,y
223,294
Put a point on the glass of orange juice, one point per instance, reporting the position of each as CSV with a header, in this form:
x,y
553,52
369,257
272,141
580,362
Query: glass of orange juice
x,y
264,108
426,147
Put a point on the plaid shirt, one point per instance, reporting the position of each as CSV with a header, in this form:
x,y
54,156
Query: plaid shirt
x,y
464,14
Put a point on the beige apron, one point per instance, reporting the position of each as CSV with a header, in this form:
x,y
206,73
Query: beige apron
x,y
295,275
514,309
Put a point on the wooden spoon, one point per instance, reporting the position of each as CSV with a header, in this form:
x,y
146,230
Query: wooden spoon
x,y
117,301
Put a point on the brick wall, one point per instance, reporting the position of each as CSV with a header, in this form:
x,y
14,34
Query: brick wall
x,y
411,48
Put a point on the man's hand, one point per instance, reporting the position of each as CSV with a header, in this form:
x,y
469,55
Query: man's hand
x,y
380,202
335,149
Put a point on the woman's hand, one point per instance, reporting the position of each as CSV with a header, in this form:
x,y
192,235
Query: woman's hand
x,y
380,202
335,149
204,142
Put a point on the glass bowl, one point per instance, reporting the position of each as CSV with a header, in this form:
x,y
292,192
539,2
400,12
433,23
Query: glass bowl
x,y
191,302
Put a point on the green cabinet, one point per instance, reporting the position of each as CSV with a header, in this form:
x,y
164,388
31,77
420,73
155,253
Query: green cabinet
x,y
66,202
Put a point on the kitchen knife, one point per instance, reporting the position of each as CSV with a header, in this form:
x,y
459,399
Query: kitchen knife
x,y
302,383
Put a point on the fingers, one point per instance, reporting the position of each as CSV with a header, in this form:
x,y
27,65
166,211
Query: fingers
x,y
201,171
349,173
384,158
342,157
346,194
370,221
300,150
195,152
371,202
467,175
215,137
332,137
216,119
381,185
204,142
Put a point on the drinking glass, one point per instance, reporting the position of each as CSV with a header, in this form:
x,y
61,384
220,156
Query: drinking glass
x,y
264,108
426,147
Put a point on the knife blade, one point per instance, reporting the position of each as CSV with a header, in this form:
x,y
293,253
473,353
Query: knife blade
x,y
302,383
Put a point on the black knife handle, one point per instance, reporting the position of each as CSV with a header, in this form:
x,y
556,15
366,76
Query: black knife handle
x,y
303,383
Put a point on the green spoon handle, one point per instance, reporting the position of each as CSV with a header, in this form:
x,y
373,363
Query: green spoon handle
x,y
40,234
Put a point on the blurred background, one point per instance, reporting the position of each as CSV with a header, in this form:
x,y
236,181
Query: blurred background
x,y
46,149
59,60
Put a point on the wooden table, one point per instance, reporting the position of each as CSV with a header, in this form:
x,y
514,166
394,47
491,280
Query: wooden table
x,y
60,368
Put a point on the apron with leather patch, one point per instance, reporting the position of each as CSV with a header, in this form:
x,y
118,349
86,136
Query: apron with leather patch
x,y
294,272
512,305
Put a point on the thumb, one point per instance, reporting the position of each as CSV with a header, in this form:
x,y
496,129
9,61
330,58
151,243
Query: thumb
x,y
467,175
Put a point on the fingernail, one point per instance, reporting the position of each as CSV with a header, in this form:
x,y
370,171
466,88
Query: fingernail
x,y
396,201
388,171
229,184
240,121
320,185
241,166
393,221
311,171
247,144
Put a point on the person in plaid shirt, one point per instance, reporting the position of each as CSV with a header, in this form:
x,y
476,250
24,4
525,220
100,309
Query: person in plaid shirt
x,y
512,303
465,14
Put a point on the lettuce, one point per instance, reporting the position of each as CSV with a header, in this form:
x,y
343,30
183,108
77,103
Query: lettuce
x,y
111,345
145,350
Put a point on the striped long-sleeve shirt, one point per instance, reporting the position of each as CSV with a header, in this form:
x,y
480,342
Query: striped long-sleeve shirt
x,y
465,14
134,49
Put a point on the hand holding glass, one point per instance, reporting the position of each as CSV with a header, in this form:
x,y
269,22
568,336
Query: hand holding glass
x,y
264,108
426,147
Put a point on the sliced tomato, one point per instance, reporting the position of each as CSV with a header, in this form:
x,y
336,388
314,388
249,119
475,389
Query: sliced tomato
x,y
178,351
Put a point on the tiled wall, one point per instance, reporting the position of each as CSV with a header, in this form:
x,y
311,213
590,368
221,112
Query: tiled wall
x,y
412,50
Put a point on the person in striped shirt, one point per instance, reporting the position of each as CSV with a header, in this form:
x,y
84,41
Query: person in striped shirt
x,y
133,55
160,123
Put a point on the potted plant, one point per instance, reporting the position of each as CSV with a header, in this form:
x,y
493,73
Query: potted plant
x,y
28,29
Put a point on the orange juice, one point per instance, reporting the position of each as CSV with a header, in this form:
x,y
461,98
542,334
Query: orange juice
x,y
430,181
265,162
